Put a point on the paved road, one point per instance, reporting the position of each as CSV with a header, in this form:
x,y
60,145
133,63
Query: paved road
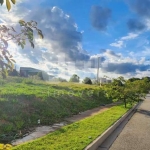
x,y
136,134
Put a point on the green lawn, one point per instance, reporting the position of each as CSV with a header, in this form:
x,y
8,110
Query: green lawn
x,y
78,135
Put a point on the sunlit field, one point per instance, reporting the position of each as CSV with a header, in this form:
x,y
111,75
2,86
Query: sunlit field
x,y
23,101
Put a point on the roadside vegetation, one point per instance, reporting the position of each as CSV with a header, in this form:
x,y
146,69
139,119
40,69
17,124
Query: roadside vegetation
x,y
127,91
24,101
79,134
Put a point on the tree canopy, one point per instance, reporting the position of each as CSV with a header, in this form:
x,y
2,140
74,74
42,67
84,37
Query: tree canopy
x,y
74,78
126,91
7,34
87,80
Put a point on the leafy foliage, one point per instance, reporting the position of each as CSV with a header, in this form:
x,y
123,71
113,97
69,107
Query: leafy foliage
x,y
5,147
133,79
10,34
23,101
74,78
8,3
127,91
87,81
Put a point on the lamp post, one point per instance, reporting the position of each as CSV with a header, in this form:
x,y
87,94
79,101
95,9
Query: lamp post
x,y
98,69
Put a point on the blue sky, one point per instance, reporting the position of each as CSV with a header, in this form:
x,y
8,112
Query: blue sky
x,y
77,32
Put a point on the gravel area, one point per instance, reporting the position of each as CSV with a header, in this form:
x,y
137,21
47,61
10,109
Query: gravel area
x,y
136,134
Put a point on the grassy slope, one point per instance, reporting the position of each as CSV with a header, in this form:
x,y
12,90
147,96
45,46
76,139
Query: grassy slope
x,y
24,101
77,135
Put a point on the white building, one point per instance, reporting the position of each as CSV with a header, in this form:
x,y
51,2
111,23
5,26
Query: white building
x,y
104,80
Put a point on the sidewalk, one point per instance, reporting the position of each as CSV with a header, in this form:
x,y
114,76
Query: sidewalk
x,y
136,134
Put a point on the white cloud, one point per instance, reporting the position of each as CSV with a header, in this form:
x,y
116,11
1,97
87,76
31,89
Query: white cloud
x,y
61,52
146,51
121,41
148,23
118,44
130,36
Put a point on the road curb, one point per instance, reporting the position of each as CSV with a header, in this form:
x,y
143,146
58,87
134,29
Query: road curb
x,y
98,141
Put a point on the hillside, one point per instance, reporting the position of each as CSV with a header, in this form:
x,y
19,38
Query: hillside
x,y
24,101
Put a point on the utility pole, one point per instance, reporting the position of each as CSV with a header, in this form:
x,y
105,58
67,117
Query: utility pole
x,y
98,69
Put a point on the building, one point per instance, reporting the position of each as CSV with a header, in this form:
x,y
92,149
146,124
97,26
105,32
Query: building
x,y
101,81
104,80
28,71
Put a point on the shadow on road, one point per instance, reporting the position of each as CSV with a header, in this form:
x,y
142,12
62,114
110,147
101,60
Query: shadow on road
x,y
144,112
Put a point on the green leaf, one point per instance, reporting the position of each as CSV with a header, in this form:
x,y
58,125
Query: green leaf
x,y
30,36
22,22
1,2
8,5
13,1
30,29
29,23
41,35
21,44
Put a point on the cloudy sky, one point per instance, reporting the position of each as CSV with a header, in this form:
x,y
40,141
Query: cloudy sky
x,y
78,32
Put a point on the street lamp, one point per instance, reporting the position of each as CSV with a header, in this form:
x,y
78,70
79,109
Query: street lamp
x,y
98,58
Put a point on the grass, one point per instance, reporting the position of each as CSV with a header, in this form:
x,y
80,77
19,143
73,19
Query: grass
x,y
78,135
23,101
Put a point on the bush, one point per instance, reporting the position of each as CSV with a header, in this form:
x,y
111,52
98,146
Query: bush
x,y
87,81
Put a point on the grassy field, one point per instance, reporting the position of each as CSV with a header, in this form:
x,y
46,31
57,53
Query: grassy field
x,y
77,135
24,101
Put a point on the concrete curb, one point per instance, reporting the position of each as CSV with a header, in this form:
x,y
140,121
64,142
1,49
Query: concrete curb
x,y
98,141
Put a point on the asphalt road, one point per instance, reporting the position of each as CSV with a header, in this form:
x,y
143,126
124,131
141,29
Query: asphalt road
x,y
136,133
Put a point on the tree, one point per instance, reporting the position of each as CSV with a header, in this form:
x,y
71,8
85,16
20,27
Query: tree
x,y
127,92
10,34
74,78
146,79
87,81
116,91
8,3
133,79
